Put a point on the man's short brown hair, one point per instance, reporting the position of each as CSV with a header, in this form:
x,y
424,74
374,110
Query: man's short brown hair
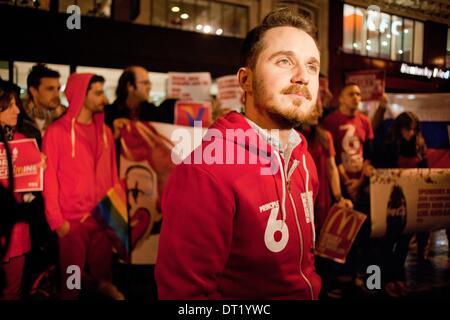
x,y
284,17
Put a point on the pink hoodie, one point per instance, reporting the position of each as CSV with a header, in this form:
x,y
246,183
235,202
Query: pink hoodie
x,y
75,180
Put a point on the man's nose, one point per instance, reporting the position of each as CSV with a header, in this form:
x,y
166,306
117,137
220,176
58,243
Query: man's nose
x,y
300,75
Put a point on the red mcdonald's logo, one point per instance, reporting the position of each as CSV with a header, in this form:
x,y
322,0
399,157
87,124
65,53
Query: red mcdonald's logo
x,y
345,217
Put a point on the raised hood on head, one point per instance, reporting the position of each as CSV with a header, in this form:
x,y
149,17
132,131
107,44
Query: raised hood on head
x,y
76,90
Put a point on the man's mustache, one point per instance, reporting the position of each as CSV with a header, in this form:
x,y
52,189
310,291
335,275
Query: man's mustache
x,y
298,88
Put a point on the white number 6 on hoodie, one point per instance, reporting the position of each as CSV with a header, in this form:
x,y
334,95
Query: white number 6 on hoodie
x,y
274,225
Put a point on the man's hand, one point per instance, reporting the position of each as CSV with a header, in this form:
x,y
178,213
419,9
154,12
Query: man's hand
x,y
64,229
353,186
118,124
345,203
367,170
383,101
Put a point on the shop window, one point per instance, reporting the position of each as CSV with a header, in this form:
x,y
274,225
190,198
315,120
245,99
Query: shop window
x,y
241,22
349,28
210,17
159,13
359,44
397,38
381,35
418,42
41,5
202,17
4,70
385,36
373,42
408,39
96,8
216,18
447,60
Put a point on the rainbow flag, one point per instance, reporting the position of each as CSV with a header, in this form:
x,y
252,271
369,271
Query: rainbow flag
x,y
111,213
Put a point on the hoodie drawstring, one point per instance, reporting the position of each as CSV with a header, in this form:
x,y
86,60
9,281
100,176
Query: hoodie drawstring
x,y
283,183
105,139
310,206
72,134
283,201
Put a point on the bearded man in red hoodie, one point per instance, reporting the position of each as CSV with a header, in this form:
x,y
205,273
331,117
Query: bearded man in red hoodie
x,y
81,168
234,228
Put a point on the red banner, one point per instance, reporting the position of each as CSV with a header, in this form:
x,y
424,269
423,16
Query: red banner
x,y
26,157
338,233
371,83
186,113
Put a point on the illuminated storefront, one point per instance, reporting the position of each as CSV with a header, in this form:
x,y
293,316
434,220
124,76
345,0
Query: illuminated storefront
x,y
411,51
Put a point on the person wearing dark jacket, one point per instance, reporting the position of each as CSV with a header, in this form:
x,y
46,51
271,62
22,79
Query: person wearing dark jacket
x,y
132,103
404,147
17,207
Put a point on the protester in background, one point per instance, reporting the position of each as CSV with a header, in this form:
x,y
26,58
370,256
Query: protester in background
x,y
44,103
326,97
81,169
353,136
321,147
12,262
43,252
404,147
132,103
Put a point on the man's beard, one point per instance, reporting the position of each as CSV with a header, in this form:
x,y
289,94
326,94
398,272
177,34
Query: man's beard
x,y
291,117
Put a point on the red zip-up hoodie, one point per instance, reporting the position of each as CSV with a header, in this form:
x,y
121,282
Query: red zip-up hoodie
x,y
75,180
230,232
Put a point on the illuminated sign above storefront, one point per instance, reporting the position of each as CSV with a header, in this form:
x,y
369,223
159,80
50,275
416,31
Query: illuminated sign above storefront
x,y
424,72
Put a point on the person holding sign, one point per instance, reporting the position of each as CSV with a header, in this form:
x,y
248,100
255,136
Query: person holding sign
x,y
81,169
353,140
12,262
246,230
404,147
353,137
321,147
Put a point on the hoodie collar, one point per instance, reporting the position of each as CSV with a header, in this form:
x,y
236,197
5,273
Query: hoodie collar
x,y
272,140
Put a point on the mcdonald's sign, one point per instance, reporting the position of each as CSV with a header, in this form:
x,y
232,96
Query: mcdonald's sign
x,y
338,233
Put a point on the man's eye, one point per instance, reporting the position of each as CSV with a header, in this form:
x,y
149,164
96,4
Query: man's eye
x,y
313,68
284,62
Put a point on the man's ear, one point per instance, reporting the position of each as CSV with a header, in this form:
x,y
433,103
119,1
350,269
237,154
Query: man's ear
x,y
130,87
340,99
33,92
245,78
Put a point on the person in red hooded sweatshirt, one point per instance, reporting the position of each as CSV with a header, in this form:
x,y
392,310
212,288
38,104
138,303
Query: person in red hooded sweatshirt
x,y
238,216
81,168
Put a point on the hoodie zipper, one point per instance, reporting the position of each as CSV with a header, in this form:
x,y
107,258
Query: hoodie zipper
x,y
288,182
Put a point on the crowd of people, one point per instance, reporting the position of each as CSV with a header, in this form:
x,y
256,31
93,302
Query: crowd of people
x,y
249,235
